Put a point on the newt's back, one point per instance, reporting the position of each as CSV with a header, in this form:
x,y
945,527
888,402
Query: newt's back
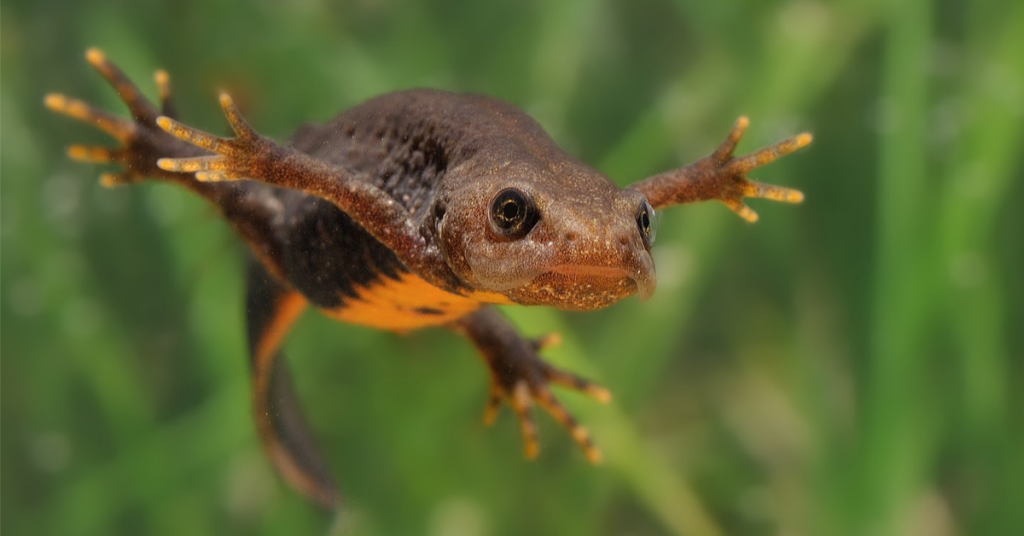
x,y
406,141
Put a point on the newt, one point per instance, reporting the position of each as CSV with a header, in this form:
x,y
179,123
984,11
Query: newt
x,y
415,209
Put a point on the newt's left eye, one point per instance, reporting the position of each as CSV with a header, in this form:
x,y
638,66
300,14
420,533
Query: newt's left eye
x,y
513,213
647,222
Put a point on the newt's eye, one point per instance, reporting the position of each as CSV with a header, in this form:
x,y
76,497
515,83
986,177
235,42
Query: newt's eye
x,y
512,213
647,222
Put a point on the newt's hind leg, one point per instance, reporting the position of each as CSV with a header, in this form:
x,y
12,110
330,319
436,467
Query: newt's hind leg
x,y
521,378
142,142
723,177
271,309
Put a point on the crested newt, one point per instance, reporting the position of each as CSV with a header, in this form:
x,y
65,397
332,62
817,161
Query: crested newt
x,y
417,208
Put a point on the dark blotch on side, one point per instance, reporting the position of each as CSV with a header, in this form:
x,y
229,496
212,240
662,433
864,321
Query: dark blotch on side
x,y
429,311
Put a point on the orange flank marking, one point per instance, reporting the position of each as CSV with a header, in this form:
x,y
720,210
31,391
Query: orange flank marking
x,y
409,303
288,310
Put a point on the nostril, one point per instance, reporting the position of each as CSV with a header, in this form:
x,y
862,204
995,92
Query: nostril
x,y
571,237
624,240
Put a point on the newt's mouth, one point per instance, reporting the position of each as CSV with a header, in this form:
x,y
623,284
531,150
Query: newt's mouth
x,y
600,271
644,278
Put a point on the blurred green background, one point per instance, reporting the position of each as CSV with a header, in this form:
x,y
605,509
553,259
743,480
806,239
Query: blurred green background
x,y
849,366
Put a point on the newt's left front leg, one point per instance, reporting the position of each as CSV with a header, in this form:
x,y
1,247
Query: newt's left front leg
x,y
723,177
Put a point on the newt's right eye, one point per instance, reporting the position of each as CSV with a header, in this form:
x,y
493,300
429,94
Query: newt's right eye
x,y
513,214
647,221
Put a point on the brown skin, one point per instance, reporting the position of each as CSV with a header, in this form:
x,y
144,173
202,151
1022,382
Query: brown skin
x,y
415,209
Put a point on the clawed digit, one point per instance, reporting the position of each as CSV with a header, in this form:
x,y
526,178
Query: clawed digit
x,y
163,85
494,400
92,154
572,381
193,136
120,129
235,119
110,180
576,430
741,209
522,406
724,151
140,107
756,159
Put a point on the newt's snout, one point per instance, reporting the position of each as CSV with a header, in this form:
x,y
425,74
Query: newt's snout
x,y
641,273
602,260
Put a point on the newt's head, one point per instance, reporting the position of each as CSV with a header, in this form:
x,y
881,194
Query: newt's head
x,y
560,234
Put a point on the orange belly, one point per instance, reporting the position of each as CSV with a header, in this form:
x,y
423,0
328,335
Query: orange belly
x,y
408,303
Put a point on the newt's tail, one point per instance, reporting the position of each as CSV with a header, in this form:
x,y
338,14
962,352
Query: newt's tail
x,y
271,308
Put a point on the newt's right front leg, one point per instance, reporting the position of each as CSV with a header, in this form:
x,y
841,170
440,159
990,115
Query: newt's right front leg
x,y
251,156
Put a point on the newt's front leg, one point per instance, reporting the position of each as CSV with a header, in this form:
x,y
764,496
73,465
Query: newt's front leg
x,y
723,177
250,155
520,377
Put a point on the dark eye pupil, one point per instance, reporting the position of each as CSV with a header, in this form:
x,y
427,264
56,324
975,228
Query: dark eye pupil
x,y
510,210
513,213
645,221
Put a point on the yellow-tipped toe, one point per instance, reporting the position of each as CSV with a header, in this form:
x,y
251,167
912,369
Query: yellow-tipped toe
x,y
162,78
110,180
531,450
55,101
210,176
165,123
600,394
95,56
